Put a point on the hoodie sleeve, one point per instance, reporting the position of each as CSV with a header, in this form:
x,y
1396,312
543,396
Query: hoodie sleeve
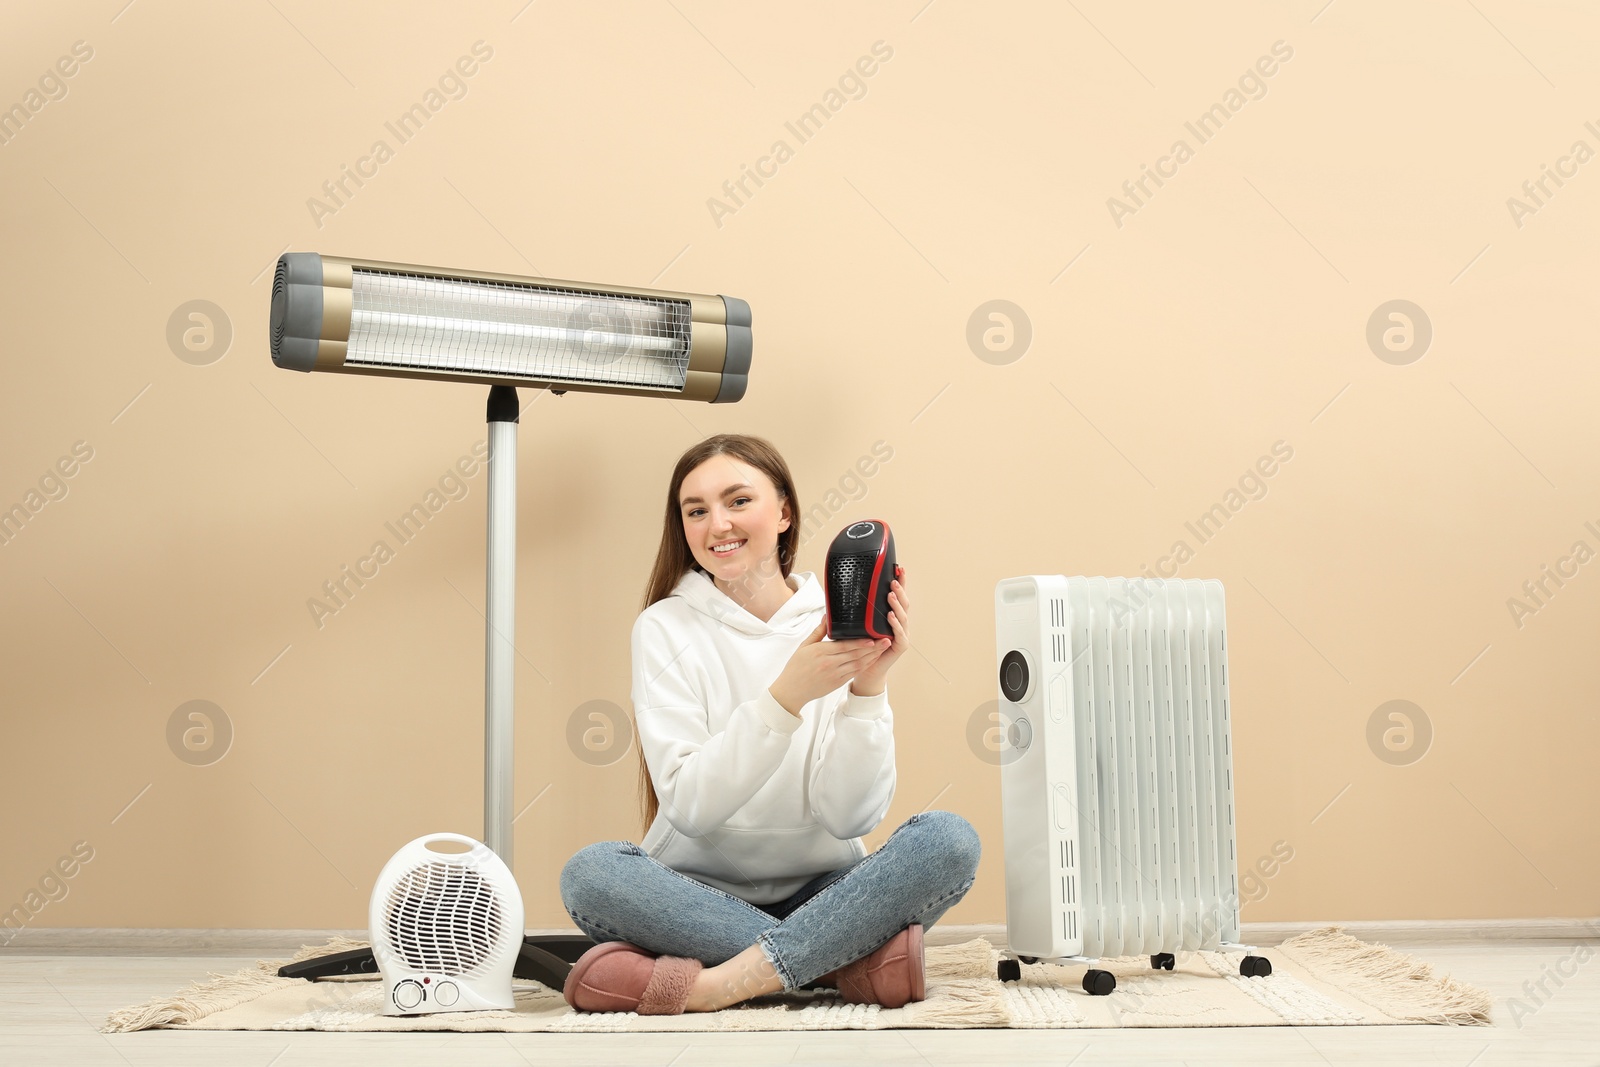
x,y
853,776
701,779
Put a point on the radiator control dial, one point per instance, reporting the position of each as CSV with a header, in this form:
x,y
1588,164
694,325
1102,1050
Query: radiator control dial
x,y
1016,676
1019,735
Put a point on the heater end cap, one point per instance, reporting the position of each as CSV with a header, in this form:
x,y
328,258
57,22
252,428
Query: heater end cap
x,y
296,321
736,361
300,268
733,387
737,312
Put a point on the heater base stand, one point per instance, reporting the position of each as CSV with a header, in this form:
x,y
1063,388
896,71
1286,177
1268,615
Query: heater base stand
x,y
1098,983
548,959
543,958
354,961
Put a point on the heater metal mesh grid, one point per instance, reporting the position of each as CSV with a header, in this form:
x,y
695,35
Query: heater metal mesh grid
x,y
849,581
443,918
523,331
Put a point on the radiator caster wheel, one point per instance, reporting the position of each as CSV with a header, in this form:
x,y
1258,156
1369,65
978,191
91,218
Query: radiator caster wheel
x,y
1029,959
1255,966
1163,961
1099,983
1009,971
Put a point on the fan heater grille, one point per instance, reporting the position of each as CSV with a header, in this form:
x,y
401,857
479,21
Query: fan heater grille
x,y
443,918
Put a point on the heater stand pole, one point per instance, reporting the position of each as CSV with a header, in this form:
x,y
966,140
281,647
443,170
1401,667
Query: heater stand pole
x,y
542,958
499,706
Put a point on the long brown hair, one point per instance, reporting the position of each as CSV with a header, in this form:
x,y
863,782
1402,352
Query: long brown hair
x,y
674,560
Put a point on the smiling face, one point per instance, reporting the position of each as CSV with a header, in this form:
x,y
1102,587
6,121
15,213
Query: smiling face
x,y
726,501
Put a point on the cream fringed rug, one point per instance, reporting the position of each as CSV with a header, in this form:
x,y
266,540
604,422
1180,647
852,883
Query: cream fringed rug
x,y
1323,977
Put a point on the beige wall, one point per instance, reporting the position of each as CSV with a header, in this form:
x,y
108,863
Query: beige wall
x,y
1227,312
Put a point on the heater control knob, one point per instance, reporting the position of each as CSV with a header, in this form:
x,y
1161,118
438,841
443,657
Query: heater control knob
x,y
407,994
446,994
1019,735
1016,679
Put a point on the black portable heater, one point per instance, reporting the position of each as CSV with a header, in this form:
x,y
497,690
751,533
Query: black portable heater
x,y
860,567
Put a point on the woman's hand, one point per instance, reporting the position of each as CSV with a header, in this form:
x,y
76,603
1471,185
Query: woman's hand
x,y
874,677
819,667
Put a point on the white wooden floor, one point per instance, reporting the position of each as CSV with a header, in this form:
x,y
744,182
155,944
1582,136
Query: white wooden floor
x,y
51,1006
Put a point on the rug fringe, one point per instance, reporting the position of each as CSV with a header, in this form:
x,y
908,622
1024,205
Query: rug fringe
x,y
970,959
961,1004
1392,982
961,992
216,992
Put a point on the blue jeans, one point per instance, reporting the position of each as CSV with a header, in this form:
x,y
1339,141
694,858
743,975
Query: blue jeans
x,y
614,891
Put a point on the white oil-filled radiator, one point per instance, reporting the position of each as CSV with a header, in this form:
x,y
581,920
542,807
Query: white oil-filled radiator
x,y
1116,773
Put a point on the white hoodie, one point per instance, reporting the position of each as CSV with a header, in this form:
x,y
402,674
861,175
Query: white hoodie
x,y
754,801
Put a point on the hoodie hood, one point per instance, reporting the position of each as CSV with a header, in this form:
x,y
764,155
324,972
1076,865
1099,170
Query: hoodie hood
x,y
697,589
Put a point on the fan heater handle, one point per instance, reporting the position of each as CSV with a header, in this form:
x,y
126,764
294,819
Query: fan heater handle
x,y
472,843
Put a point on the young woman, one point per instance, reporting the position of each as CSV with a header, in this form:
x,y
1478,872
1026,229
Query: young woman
x,y
766,752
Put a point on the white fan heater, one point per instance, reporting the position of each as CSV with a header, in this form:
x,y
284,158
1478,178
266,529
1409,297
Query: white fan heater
x,y
446,925
1116,773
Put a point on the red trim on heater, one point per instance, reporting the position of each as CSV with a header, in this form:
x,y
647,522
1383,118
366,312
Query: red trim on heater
x,y
872,589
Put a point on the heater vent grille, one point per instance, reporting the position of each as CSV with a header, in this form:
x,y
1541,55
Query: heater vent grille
x,y
443,918
280,286
517,331
851,580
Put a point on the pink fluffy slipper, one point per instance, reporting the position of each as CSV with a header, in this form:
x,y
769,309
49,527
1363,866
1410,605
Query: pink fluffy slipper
x,y
617,976
892,975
